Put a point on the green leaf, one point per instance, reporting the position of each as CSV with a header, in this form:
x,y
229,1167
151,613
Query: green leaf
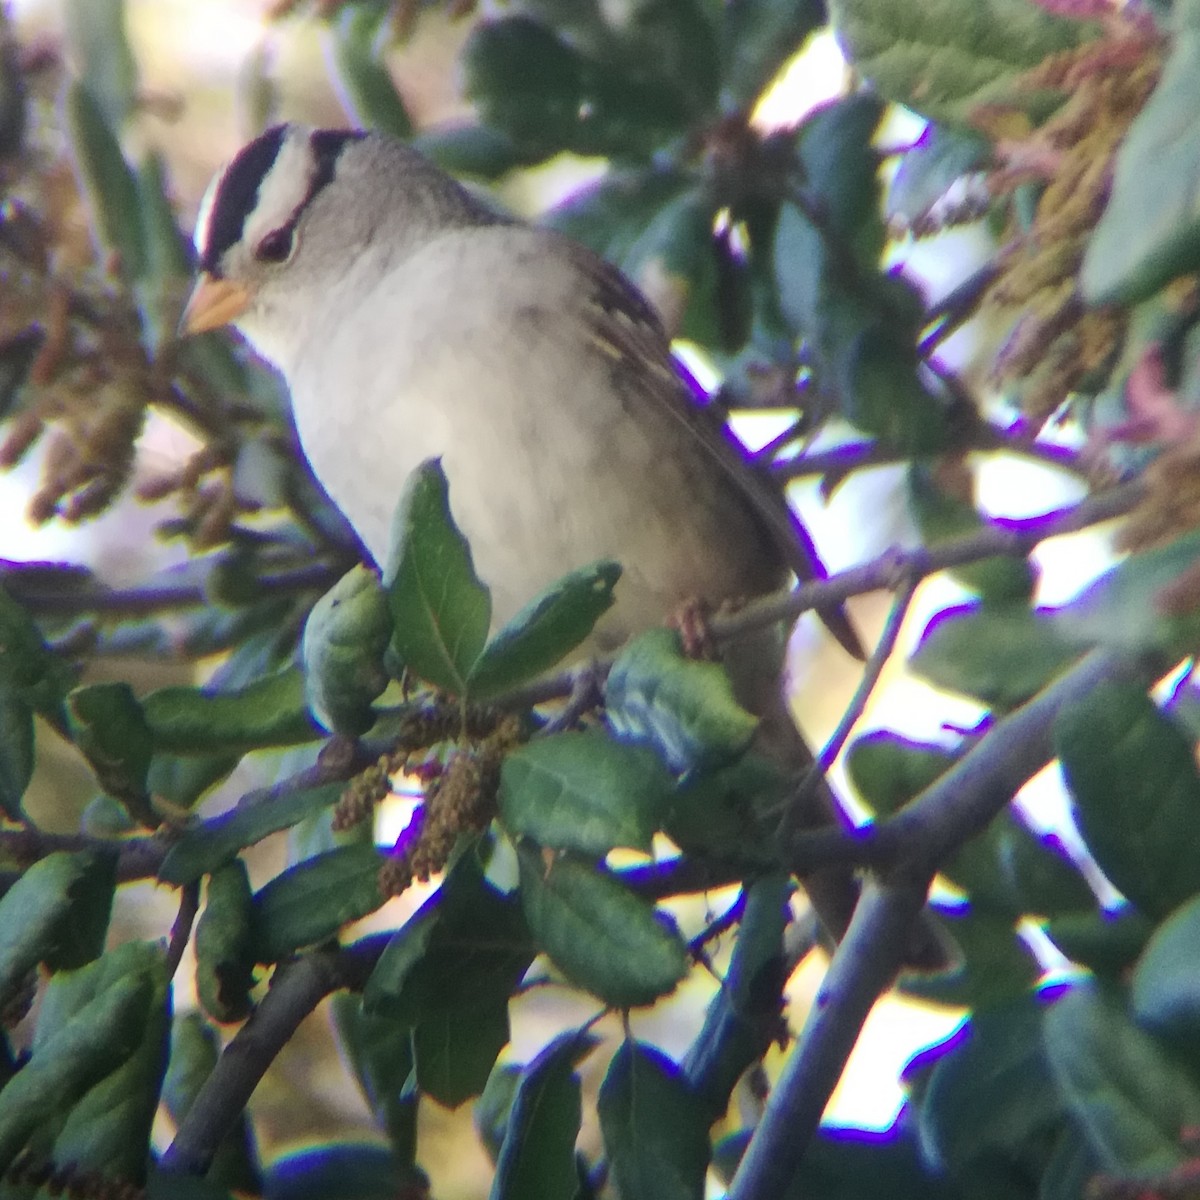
x,y
619,93
1136,794
610,214
1010,870
1000,656
699,287
108,1131
90,887
585,792
938,159
167,259
1128,1097
473,150
71,990
657,80
856,1164
1166,991
170,1185
888,771
345,639
16,752
194,1051
945,58
28,668
94,1040
992,967
684,708
1108,943
598,933
1130,607
743,1017
492,1109
181,780
731,813
366,83
380,1053
347,1170
992,1095
859,324
545,631
440,609
758,37
467,946
108,183
270,712
102,56
941,516
537,1157
1149,232
524,81
205,846
655,1126
314,899
108,725
56,912
454,1051
225,944
840,170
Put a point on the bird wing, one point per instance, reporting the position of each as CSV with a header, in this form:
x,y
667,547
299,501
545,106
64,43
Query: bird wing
x,y
623,321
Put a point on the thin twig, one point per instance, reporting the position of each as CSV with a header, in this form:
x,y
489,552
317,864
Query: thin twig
x,y
956,307
181,930
719,925
870,677
141,857
1013,539
680,877
338,761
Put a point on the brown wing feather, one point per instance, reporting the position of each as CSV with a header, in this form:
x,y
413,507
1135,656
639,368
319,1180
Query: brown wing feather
x,y
625,321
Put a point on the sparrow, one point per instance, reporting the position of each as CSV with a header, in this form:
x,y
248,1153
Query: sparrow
x,y
409,320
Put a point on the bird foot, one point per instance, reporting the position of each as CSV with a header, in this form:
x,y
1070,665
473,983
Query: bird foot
x,y
692,621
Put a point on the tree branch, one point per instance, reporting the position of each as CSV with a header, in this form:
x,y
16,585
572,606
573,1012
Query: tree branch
x,y
964,800
861,971
914,843
137,857
296,990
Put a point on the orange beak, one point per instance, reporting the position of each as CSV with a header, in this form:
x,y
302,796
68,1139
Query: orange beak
x,y
213,303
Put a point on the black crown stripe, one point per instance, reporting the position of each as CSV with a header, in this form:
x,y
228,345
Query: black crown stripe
x,y
236,195
238,191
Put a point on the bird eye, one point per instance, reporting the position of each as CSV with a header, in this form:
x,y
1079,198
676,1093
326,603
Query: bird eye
x,y
275,247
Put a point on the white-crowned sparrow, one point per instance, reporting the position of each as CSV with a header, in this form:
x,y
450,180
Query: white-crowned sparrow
x,y
410,320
